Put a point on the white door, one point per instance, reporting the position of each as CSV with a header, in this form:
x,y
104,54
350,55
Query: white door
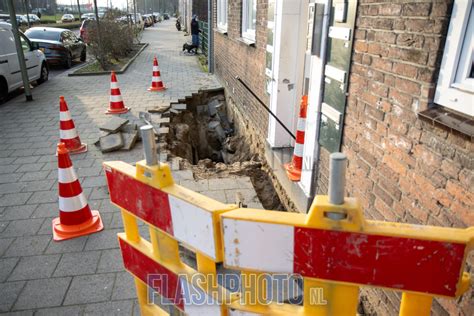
x,y
318,19
31,59
13,74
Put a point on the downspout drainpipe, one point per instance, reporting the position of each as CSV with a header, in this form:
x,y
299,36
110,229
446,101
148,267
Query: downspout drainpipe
x,y
210,37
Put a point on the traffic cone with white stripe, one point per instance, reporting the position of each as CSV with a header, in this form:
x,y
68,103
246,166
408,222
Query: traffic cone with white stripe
x,y
116,105
67,130
156,83
75,216
293,169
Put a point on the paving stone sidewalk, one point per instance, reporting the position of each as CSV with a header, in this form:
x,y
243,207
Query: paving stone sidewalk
x,y
83,275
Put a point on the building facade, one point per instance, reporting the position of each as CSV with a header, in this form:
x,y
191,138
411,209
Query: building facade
x,y
383,87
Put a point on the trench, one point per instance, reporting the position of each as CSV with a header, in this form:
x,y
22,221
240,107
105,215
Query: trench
x,y
204,137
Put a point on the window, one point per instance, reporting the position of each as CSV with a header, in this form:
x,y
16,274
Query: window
x,y
270,48
222,15
249,19
455,89
25,45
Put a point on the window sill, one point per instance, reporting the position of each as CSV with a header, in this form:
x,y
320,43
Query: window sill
x,y
439,115
223,32
247,42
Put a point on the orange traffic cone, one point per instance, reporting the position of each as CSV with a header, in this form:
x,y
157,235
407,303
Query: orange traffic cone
x,y
116,105
75,217
67,130
293,169
156,83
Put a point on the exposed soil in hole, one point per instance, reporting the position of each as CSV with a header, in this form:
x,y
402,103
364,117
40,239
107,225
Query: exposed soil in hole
x,y
204,138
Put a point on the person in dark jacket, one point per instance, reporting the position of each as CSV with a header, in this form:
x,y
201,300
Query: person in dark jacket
x,y
195,30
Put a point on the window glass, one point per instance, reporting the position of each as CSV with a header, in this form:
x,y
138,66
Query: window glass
x,y
249,19
24,43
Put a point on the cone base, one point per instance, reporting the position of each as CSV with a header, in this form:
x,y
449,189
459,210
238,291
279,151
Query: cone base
x,y
79,150
63,232
292,173
156,89
117,111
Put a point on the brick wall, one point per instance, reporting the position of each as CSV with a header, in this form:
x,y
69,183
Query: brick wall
x,y
235,58
400,167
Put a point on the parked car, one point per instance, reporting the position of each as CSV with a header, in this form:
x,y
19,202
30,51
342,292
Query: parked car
x,y
84,30
88,16
10,74
157,17
67,18
148,20
34,19
60,46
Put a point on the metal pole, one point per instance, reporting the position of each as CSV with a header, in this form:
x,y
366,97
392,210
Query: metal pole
x,y
337,178
19,49
27,4
210,38
149,145
79,9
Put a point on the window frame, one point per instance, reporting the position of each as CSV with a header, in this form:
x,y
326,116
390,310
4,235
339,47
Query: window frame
x,y
450,93
248,33
222,12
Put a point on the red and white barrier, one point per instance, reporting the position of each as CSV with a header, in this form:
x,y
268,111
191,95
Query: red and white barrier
x,y
399,262
116,105
293,169
184,221
75,216
67,130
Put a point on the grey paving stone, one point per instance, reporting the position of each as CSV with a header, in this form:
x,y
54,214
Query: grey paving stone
x,y
111,142
43,197
22,313
4,244
42,293
216,195
18,212
6,267
119,308
66,246
60,311
28,246
106,239
77,263
11,177
106,207
89,171
110,261
46,227
30,167
10,188
14,199
91,182
180,175
249,195
33,176
8,294
27,159
34,267
45,210
116,221
129,140
124,287
198,186
22,227
90,289
113,124
42,185
244,182
8,168
99,193
223,184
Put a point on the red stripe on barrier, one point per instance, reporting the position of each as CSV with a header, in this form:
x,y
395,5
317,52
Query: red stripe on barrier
x,y
65,125
394,262
64,161
69,189
115,91
160,279
117,105
72,142
147,203
156,73
73,218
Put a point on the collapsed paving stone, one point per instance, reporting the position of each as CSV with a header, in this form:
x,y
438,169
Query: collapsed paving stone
x,y
129,140
159,109
114,124
111,142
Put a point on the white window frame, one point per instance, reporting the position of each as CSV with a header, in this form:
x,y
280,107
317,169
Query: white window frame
x,y
248,33
452,91
222,15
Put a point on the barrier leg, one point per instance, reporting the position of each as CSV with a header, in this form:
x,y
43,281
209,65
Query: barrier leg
x,y
329,299
130,226
253,288
415,304
165,248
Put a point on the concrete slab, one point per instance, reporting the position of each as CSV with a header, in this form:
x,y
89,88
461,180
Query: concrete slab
x,y
129,140
111,142
113,124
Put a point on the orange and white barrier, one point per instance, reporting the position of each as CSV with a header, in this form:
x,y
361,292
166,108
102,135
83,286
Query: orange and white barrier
x,y
116,105
293,169
75,216
67,130
156,82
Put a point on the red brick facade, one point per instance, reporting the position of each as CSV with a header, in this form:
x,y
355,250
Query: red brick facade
x,y
234,58
402,168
